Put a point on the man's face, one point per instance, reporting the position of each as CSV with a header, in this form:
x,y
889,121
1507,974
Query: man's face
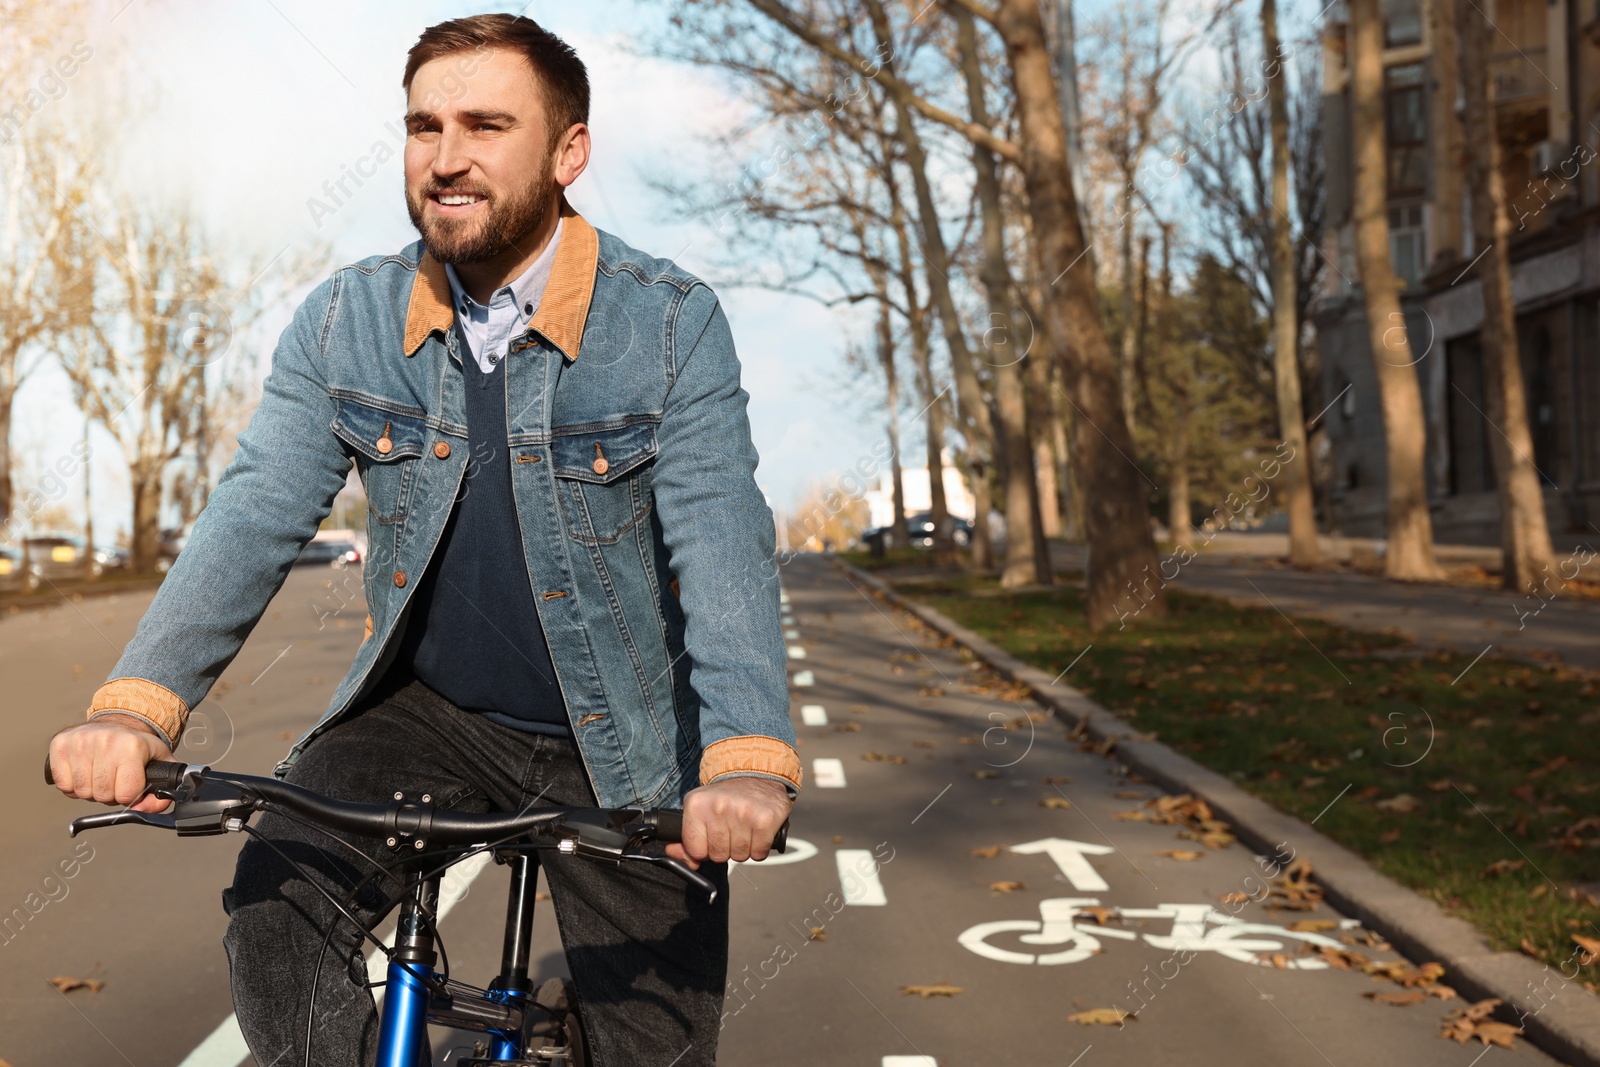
x,y
479,165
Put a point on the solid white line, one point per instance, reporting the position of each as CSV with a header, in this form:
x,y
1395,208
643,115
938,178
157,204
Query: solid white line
x,y
827,773
910,1061
813,715
858,876
796,652
225,1046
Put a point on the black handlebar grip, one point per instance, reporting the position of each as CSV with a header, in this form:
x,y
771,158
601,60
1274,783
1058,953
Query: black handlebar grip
x,y
163,775
669,826
49,779
781,838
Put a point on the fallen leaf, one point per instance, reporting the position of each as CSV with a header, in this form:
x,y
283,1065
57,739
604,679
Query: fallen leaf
x,y
1234,898
1313,926
985,774
1440,786
1102,1017
817,933
1342,959
930,691
940,989
987,852
1499,867
1472,1021
879,757
1006,887
838,839
67,985
1181,854
1399,1000
1099,915
1590,946
847,727
1128,816
1400,804
1055,779
1055,802
1530,949
541,895
966,740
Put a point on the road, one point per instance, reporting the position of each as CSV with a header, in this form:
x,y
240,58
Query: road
x,y
877,894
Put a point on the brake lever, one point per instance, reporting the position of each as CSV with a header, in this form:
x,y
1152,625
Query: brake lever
x,y
118,818
679,868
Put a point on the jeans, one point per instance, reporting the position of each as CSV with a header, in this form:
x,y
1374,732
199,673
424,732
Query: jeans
x,y
648,955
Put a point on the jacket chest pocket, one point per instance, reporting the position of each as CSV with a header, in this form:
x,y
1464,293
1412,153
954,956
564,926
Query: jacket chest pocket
x,y
602,474
386,445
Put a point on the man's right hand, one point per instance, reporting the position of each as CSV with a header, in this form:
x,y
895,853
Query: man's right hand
x,y
104,760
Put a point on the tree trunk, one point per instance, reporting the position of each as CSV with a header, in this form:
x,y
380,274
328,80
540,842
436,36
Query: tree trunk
x,y
1285,313
1409,553
1178,523
977,426
892,389
1448,146
1027,557
1041,417
7,395
1122,550
145,543
1527,557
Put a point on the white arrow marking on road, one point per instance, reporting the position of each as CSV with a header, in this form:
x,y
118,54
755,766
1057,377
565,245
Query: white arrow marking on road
x,y
804,678
1069,856
813,715
858,875
827,773
796,852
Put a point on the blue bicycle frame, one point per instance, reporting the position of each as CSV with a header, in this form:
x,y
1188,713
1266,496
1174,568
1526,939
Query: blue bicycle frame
x,y
414,996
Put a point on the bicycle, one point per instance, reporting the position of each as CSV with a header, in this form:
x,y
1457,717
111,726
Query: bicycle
x,y
526,1027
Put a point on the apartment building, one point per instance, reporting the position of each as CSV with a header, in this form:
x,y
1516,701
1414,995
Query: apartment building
x,y
1546,73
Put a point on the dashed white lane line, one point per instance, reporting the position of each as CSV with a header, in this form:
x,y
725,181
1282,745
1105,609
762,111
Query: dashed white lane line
x,y
791,635
796,652
827,773
858,876
910,1061
804,678
813,715
226,1048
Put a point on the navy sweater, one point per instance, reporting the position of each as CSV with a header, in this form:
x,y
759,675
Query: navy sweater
x,y
474,635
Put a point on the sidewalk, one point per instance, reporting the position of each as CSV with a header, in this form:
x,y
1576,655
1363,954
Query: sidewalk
x,y
1247,568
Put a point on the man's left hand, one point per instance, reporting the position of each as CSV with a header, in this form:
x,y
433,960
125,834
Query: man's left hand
x,y
731,819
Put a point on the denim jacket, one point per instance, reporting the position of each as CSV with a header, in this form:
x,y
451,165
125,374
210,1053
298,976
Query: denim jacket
x,y
649,547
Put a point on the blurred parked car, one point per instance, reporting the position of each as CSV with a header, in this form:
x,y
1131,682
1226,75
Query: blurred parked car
x,y
10,570
329,554
51,559
920,527
110,559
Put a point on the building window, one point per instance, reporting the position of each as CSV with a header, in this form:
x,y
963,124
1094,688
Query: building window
x,y
1406,126
1407,243
1402,23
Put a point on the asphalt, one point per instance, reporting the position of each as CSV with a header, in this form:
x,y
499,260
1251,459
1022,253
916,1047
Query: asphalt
x,y
883,864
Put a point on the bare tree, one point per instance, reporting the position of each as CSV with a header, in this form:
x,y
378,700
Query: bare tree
x,y
1285,322
1409,552
1524,534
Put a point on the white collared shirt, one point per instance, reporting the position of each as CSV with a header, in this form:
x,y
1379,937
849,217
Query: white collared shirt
x,y
488,330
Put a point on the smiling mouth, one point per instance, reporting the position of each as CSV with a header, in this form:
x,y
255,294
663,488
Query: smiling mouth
x,y
456,200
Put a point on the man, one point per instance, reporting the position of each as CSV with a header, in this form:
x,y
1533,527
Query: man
x,y
569,573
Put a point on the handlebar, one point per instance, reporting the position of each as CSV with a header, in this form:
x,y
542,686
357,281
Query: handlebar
x,y
208,801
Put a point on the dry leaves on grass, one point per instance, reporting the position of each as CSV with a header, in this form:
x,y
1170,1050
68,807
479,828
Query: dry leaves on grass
x,y
937,989
1102,1017
1399,804
1472,1021
1591,949
1182,855
68,985
1056,802
1006,887
987,852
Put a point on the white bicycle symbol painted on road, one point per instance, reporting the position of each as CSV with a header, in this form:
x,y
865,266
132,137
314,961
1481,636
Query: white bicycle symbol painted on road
x,y
1195,928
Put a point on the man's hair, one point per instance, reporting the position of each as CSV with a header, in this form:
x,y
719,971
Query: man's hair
x,y
560,73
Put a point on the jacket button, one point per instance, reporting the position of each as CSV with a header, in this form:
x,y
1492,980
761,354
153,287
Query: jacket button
x,y
385,446
601,466
400,579
442,449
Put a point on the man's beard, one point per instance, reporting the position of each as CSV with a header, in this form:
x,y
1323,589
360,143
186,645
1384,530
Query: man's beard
x,y
506,223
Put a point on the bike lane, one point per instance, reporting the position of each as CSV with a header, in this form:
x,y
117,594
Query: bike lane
x,y
950,840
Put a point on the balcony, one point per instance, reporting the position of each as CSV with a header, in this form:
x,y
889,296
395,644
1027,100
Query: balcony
x,y
1519,76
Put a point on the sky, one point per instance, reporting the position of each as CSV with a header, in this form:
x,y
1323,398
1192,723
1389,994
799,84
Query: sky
x,y
248,109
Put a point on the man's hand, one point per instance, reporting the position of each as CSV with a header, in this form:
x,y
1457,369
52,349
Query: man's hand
x,y
104,760
731,819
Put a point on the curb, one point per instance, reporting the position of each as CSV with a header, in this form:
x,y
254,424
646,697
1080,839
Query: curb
x,y
1558,1016
12,603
